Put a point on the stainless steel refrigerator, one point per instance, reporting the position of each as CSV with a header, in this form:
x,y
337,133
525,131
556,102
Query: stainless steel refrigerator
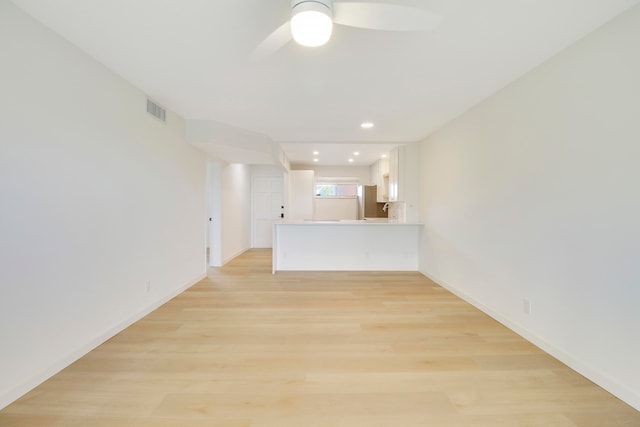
x,y
367,201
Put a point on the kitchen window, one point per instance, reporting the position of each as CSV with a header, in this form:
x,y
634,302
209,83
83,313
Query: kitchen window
x,y
336,190
336,187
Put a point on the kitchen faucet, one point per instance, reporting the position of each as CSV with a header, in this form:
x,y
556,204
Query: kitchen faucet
x,y
385,207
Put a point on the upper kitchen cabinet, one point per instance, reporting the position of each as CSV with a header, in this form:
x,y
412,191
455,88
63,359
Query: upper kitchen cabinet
x,y
396,174
380,177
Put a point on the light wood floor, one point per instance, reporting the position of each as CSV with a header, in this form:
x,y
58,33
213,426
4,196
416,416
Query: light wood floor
x,y
246,348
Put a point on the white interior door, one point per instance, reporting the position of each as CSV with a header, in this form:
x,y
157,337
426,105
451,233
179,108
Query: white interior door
x,y
268,206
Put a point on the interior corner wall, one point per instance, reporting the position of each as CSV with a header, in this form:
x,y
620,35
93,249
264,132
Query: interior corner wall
x,y
235,210
102,206
214,224
533,195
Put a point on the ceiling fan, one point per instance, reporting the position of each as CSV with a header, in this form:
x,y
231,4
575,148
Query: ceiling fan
x,y
312,22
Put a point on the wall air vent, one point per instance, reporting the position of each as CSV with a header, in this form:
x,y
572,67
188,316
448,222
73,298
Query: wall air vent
x,y
156,110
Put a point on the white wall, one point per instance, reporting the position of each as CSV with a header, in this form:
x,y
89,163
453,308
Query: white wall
x,y
362,173
266,171
533,195
301,194
236,210
96,198
332,208
229,210
410,210
214,206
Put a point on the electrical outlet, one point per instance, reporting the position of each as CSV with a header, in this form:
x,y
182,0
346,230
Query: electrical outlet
x,y
526,306
147,286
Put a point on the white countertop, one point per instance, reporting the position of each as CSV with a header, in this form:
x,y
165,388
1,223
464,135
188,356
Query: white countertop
x,y
370,221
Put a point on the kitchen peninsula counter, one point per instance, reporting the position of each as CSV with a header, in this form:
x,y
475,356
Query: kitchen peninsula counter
x,y
372,244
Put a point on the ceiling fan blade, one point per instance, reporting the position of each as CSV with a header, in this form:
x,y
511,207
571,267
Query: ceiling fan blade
x,y
384,16
274,41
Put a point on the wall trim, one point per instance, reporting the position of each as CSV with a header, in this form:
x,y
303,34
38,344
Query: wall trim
x,y
233,256
16,392
614,387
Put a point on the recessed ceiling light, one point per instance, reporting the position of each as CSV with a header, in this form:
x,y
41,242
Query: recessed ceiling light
x,y
350,160
356,153
384,156
315,153
315,160
366,125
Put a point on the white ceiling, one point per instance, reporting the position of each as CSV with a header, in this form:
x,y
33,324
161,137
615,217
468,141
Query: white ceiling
x,y
193,56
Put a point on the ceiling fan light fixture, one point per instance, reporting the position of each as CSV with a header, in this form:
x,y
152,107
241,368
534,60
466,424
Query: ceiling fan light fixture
x,y
311,22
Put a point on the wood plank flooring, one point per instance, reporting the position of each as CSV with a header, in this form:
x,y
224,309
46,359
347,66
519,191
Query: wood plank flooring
x,y
245,348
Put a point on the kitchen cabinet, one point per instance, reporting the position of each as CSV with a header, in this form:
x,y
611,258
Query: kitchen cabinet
x,y
345,245
396,174
380,177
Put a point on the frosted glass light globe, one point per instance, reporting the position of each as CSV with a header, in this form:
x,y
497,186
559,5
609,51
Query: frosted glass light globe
x,y
311,24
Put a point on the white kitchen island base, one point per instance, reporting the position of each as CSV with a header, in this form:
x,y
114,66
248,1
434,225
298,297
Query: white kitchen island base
x,y
345,246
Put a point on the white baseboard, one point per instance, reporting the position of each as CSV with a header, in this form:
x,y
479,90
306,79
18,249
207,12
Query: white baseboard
x,y
20,390
605,381
235,255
